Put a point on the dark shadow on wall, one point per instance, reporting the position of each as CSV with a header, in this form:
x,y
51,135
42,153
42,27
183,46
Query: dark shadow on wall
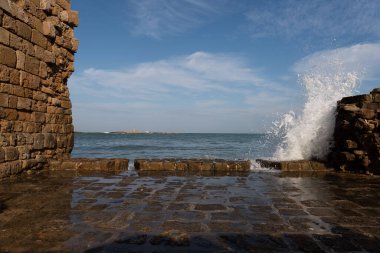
x,y
2,206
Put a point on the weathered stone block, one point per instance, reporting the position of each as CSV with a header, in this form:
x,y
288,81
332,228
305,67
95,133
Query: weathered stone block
x,y
350,144
5,6
45,5
48,29
66,104
24,103
32,65
376,98
9,23
181,166
39,141
8,56
50,141
30,81
4,100
14,77
346,156
43,70
20,60
38,117
169,165
65,4
11,153
368,114
39,39
296,165
12,102
23,30
221,165
4,73
2,155
74,45
155,165
70,17
198,165
11,114
24,116
357,99
4,36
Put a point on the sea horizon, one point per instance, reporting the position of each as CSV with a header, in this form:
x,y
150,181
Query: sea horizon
x,y
234,146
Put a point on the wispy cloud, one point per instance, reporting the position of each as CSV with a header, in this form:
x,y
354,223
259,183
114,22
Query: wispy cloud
x,y
362,59
217,90
195,75
154,18
320,18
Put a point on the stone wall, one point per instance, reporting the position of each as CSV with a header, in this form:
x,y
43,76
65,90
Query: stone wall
x,y
357,134
37,49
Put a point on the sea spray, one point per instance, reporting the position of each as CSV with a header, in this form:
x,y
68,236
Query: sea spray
x,y
309,135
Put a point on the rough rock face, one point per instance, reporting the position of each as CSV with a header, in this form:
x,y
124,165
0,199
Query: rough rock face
x,y
357,134
37,49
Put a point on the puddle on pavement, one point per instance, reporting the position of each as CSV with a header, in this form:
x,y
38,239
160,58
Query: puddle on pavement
x,y
79,212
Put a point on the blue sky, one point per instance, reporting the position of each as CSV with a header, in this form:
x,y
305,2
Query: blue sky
x,y
212,65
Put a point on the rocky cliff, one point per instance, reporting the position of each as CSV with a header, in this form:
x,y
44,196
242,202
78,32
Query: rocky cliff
x,y
37,49
357,134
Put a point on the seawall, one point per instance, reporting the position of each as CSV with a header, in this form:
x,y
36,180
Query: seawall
x,y
37,47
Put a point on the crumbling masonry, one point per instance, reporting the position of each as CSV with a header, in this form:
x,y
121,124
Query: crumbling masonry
x,y
37,49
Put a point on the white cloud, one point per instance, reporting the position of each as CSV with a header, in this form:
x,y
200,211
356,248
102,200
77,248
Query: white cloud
x,y
198,92
363,59
154,18
321,18
197,74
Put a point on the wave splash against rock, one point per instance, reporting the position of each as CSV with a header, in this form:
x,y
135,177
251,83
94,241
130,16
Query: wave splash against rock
x,y
309,135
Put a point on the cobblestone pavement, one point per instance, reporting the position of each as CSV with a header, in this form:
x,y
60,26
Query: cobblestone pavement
x,y
255,212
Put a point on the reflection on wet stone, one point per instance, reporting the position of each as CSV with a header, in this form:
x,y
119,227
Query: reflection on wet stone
x,y
267,212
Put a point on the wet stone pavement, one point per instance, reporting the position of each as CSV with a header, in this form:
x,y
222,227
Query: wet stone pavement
x,y
254,212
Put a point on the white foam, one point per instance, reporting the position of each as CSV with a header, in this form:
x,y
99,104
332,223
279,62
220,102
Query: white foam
x,y
309,135
256,167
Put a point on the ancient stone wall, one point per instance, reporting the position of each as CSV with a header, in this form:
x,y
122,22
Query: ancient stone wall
x,y
357,134
37,49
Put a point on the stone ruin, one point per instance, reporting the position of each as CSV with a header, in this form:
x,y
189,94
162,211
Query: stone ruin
x,y
357,134
37,47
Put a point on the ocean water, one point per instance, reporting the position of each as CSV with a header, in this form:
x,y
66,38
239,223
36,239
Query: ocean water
x,y
181,145
292,137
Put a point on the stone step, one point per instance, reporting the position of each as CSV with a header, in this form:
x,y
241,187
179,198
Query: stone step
x,y
191,165
295,165
101,164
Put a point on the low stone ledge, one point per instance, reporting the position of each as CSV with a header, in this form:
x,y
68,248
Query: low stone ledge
x,y
97,164
295,165
177,173
191,165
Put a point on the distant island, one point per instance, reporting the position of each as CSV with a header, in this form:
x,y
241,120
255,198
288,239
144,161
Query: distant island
x,y
134,131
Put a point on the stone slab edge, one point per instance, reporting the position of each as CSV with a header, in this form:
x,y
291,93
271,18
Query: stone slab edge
x,y
295,165
97,164
192,165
